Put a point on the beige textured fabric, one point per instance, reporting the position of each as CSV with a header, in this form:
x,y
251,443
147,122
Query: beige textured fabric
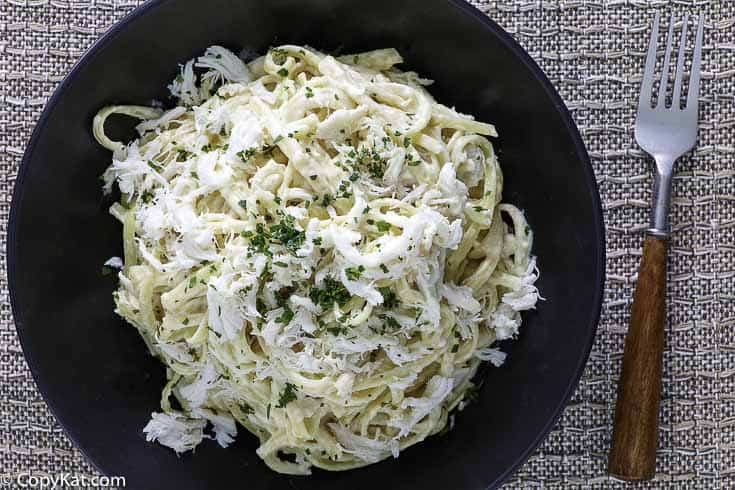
x,y
592,50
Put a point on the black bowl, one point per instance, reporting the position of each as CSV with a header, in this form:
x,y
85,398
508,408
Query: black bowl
x,y
94,370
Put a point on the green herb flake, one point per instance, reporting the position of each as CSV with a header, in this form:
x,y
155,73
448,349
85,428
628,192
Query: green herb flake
x,y
287,234
391,323
383,226
287,396
181,155
283,72
331,291
327,200
285,317
279,55
390,300
245,155
354,273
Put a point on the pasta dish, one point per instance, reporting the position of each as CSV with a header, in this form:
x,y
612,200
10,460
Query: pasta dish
x,y
317,251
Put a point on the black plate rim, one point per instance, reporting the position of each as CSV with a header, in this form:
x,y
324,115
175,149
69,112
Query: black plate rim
x,y
470,11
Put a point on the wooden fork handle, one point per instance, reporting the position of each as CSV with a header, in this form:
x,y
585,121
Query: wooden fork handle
x,y
633,452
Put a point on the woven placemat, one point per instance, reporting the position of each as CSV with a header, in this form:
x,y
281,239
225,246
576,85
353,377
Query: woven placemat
x,y
592,50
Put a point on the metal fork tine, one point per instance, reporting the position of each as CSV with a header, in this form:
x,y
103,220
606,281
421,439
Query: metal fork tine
x,y
667,58
676,96
693,96
647,84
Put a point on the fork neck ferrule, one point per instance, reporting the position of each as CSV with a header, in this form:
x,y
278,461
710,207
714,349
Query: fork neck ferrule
x,y
660,226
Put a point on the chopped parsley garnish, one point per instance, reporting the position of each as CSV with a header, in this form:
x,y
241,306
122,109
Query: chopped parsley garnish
x,y
260,240
287,396
313,177
245,155
354,273
309,93
390,300
243,204
280,264
246,409
410,161
181,155
391,322
370,160
146,197
384,268
327,200
283,72
278,139
279,55
285,317
337,330
332,291
283,233
383,226
287,235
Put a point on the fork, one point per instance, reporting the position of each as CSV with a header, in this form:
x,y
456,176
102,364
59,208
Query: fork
x,y
666,132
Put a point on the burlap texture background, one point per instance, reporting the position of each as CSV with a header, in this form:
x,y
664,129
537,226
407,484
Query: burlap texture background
x,y
592,50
